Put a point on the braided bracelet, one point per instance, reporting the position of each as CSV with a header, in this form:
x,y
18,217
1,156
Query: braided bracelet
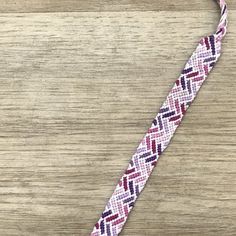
x,y
162,130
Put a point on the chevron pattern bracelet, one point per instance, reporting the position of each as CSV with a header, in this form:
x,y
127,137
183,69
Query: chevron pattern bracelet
x,y
162,130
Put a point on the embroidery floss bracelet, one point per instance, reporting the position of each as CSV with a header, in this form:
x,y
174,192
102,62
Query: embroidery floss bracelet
x,y
162,130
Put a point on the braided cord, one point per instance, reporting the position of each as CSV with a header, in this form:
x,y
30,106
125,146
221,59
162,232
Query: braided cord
x,y
162,130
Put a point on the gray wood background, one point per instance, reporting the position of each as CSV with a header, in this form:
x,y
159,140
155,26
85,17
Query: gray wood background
x,y
81,82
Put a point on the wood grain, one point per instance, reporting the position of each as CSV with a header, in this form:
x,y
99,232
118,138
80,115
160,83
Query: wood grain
x,y
107,5
78,92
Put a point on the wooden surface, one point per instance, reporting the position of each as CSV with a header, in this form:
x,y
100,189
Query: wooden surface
x,y
81,82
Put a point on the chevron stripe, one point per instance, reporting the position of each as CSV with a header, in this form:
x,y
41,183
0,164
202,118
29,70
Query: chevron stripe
x,y
161,131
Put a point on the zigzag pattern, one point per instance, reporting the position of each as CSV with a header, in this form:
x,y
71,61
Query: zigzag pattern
x,y
159,135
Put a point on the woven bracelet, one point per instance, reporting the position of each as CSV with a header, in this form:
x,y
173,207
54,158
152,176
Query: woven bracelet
x,y
162,130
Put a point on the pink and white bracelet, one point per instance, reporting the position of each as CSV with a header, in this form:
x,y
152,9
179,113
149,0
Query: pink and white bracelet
x,y
162,130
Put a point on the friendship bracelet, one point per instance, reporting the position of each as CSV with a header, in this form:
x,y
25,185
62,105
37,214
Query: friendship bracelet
x,y
162,130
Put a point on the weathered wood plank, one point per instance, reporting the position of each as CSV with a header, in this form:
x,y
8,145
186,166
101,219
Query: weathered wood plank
x,y
107,5
79,90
